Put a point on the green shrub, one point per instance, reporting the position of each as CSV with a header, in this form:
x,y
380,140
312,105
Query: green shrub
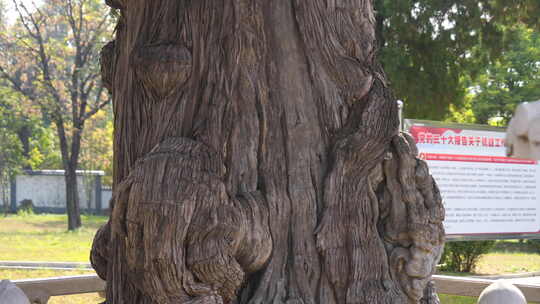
x,y
26,207
534,245
462,256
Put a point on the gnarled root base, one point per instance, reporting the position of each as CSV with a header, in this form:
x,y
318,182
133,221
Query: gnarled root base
x,y
184,238
381,236
411,215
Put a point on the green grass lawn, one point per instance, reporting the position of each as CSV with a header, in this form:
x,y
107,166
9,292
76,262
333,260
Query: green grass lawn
x,y
44,238
448,299
508,262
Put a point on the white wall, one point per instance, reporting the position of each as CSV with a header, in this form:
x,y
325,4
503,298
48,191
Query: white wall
x,y
106,195
48,190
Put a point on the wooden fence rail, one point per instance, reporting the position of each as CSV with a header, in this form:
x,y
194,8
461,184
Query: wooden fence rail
x,y
472,287
40,290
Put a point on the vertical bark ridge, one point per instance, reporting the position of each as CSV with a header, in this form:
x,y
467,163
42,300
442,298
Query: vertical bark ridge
x,y
295,144
359,271
340,38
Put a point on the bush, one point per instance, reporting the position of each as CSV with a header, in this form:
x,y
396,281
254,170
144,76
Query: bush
x,y
534,245
463,256
26,207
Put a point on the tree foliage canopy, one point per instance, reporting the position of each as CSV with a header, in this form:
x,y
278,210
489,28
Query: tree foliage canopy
x,y
511,79
35,146
50,69
429,47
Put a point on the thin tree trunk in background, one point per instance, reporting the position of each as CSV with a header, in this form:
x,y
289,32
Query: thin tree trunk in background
x,y
24,133
70,151
258,160
72,199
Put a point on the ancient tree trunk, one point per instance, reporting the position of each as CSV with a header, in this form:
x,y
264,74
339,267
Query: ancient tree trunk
x,y
258,159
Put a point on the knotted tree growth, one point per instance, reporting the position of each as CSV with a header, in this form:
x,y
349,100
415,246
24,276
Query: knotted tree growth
x,y
258,159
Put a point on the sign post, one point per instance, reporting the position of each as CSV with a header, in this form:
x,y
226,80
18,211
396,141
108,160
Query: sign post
x,y
486,194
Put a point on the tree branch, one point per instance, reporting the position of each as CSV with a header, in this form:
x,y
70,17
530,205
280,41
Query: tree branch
x,y
99,106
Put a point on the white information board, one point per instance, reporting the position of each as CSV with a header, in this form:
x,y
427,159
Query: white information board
x,y
484,192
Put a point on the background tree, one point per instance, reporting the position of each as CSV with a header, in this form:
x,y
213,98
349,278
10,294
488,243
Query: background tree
x,y
96,145
50,56
258,160
10,149
36,139
10,156
512,78
430,48
26,142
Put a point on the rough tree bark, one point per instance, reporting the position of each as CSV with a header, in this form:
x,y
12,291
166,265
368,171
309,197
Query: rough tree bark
x,y
258,159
